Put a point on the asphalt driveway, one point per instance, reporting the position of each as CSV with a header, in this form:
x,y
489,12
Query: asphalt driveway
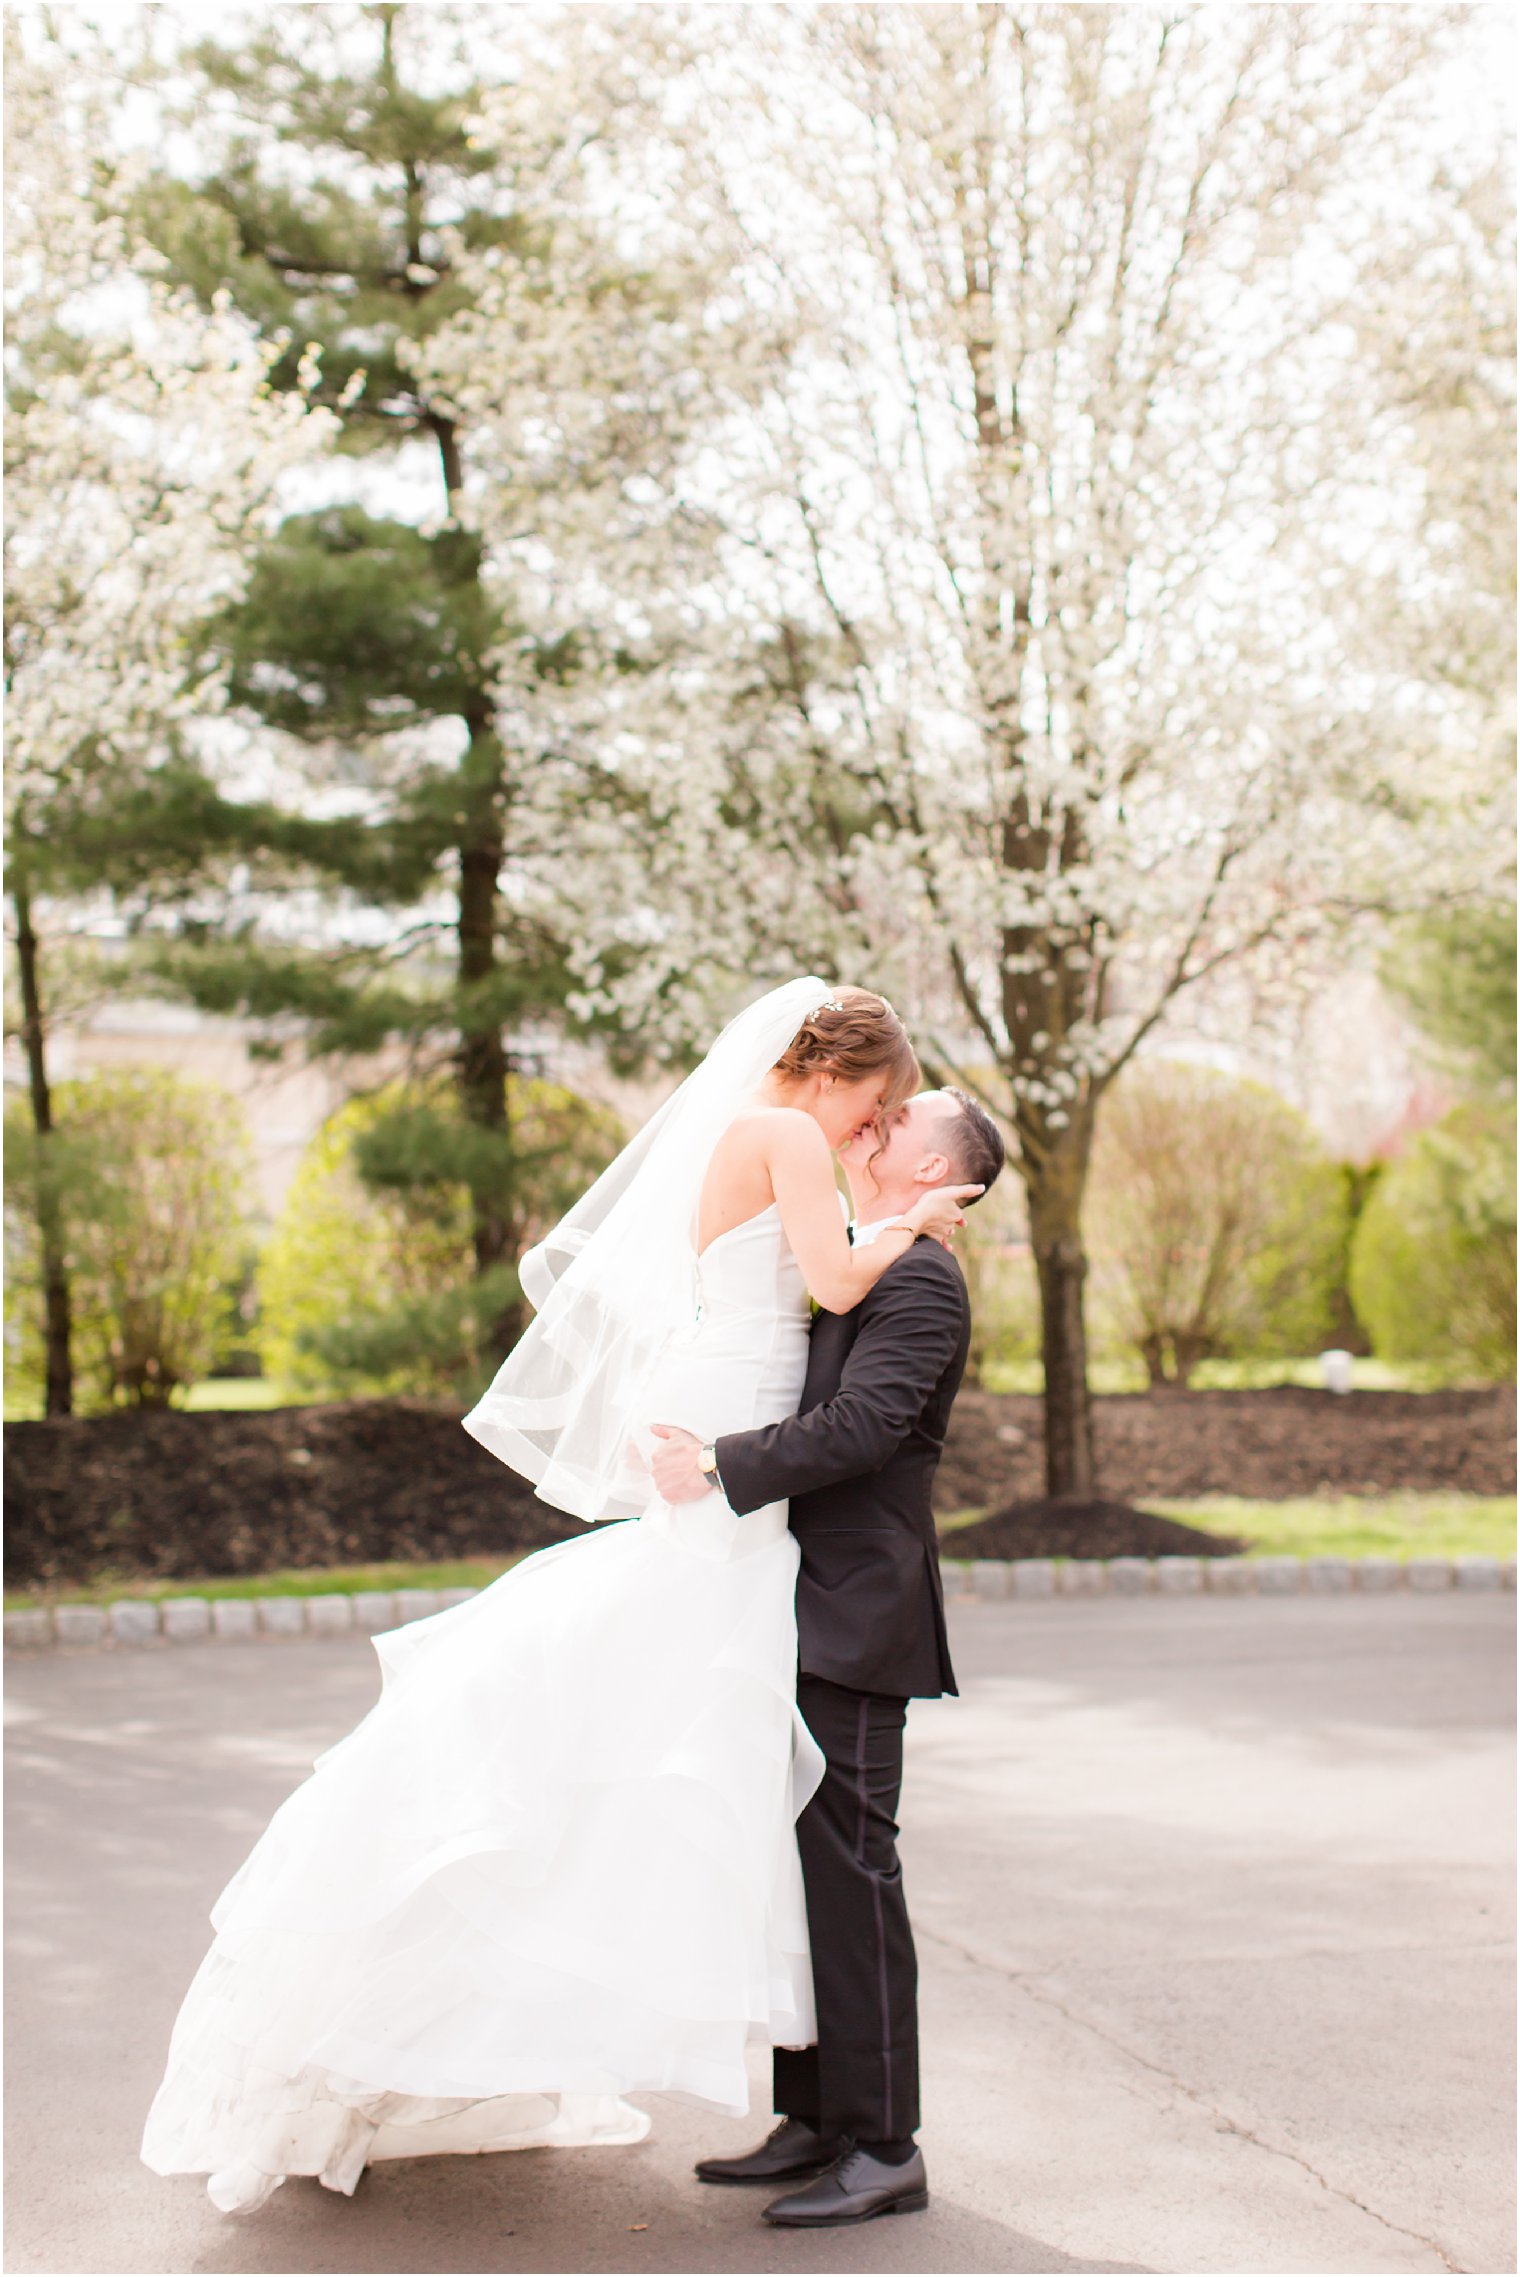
x,y
1213,1906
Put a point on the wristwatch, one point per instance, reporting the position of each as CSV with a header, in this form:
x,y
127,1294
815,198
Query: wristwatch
x,y
707,1463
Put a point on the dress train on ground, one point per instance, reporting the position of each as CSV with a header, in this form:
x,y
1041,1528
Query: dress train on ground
x,y
555,1864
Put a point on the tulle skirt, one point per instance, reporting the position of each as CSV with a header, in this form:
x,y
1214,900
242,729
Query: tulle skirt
x,y
554,1864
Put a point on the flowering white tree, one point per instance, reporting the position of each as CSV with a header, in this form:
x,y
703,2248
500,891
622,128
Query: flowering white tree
x,y
1048,522
143,446
595,382
1438,330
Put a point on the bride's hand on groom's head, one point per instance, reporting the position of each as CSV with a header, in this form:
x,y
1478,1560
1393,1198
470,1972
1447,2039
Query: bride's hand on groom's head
x,y
939,1211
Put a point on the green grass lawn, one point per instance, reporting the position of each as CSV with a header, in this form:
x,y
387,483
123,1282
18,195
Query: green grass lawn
x,y
305,1581
1344,1525
1356,1526
1108,1375
248,1394
253,1394
1395,1525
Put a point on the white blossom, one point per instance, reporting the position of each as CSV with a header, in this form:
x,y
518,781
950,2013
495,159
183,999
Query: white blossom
x,y
143,448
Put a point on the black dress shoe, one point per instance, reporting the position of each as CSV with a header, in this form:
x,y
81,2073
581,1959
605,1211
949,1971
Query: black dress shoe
x,y
853,2189
791,2150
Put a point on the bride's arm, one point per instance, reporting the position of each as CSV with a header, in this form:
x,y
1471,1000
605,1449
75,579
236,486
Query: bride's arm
x,y
802,1180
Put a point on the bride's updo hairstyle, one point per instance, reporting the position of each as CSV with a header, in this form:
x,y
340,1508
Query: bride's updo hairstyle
x,y
855,1034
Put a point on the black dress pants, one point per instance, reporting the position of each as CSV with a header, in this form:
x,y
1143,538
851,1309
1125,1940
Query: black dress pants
x,y
862,2077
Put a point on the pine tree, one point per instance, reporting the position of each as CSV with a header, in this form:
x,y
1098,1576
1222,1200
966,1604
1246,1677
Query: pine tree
x,y
336,216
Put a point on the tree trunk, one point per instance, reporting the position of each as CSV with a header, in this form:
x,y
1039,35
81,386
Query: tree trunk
x,y
1056,1185
57,1320
1347,1330
481,1060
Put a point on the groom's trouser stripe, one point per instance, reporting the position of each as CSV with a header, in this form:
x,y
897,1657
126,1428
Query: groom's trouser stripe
x,y
863,1791
862,2078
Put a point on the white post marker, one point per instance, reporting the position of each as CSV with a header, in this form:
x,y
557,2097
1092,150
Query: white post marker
x,y
1335,1371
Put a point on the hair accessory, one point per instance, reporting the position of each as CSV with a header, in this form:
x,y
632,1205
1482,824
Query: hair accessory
x,y
832,1004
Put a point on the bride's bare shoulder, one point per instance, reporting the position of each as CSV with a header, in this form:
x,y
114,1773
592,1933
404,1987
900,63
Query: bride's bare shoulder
x,y
756,1132
760,1145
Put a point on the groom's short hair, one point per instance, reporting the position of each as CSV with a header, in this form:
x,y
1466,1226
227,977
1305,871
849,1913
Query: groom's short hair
x,y
973,1143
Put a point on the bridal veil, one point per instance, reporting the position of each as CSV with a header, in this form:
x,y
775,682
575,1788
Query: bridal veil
x,y
616,1278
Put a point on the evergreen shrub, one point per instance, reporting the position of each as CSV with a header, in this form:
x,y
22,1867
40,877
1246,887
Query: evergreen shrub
x,y
368,1285
1433,1262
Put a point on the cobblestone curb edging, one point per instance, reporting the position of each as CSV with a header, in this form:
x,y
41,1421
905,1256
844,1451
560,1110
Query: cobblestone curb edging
x,y
189,1620
1216,1577
133,1621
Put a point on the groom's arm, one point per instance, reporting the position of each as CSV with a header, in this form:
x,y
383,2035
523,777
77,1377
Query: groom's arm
x,y
912,1325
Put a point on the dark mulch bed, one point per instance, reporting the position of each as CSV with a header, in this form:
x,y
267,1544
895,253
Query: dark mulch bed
x,y
168,1494
1046,1529
368,1480
1272,1445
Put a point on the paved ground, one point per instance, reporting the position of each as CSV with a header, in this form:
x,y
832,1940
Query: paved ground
x,y
1212,1903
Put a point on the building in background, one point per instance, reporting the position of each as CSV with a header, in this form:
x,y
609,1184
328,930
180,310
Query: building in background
x,y
286,1100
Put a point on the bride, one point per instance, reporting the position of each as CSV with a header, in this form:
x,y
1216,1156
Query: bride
x,y
556,1861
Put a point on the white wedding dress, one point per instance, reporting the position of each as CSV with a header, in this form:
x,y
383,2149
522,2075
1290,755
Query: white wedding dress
x,y
556,1862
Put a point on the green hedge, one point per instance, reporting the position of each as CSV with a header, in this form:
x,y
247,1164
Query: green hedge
x,y
1433,1262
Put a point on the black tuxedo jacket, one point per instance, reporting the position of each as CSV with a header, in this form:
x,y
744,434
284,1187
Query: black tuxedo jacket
x,y
857,1463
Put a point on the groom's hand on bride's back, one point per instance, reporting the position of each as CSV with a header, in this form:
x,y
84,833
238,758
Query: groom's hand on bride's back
x,y
677,1475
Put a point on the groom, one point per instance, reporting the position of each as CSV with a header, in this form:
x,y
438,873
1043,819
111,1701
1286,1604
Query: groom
x,y
857,1463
